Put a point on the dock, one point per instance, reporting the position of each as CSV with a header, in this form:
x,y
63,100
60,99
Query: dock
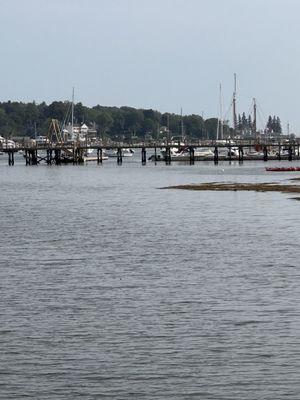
x,y
245,150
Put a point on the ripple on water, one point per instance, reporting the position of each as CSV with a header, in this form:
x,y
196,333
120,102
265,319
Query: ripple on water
x,y
111,288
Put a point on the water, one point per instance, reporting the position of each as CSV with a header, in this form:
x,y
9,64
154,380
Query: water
x,y
114,289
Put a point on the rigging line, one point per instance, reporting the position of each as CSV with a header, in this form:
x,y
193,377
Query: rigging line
x,y
261,119
67,116
251,107
229,109
261,114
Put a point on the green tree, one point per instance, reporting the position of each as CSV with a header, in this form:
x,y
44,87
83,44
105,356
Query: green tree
x,y
194,126
58,110
211,125
104,121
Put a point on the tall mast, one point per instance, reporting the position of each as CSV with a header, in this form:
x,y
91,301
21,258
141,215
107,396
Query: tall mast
x,y
72,116
234,105
181,125
254,116
168,126
220,122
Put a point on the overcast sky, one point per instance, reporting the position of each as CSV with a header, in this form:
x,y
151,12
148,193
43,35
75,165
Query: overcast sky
x,y
160,54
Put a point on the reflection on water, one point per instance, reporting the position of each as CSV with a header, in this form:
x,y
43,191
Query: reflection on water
x,y
112,288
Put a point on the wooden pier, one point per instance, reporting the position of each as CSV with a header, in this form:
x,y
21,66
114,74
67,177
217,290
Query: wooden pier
x,y
246,150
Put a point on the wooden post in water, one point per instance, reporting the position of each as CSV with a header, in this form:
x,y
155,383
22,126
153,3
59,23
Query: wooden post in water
x,y
144,155
279,152
119,156
290,157
34,159
11,160
99,155
74,156
168,155
80,155
241,154
229,153
155,155
216,155
49,156
57,156
265,153
192,155
26,158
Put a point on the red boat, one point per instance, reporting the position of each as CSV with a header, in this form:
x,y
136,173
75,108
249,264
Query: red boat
x,y
282,169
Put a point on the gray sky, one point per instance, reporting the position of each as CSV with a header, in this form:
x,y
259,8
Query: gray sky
x,y
160,54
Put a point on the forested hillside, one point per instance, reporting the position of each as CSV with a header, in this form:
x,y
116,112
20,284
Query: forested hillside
x,y
28,119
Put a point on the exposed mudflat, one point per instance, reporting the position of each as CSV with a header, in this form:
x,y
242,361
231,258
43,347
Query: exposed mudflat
x,y
257,187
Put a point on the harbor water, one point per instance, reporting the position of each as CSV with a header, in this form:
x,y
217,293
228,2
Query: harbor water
x,y
112,288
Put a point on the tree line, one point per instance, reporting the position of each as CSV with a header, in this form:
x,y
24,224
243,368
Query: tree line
x,y
30,119
273,124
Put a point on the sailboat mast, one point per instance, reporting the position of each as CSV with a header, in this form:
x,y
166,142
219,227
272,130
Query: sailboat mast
x,y
72,116
221,114
220,119
254,116
168,127
181,125
234,105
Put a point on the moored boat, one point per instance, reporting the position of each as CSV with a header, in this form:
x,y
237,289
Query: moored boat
x,y
125,152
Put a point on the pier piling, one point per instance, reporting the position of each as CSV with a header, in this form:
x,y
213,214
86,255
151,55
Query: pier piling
x,y
265,150
241,154
119,156
192,155
11,159
99,155
57,156
144,159
168,155
216,155
290,156
49,156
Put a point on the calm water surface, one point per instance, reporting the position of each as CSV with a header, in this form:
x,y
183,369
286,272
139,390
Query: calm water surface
x,y
114,289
